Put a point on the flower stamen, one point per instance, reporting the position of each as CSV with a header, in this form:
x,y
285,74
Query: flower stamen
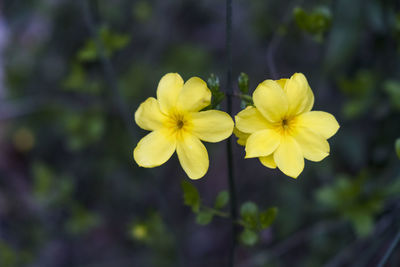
x,y
179,124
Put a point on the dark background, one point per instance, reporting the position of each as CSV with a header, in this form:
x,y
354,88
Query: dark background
x,y
70,192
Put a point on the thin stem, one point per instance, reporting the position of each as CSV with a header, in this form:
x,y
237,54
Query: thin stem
x,y
390,250
231,180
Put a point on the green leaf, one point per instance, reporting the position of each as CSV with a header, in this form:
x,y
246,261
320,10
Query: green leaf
x,y
249,237
397,147
267,217
204,217
315,23
363,224
217,95
221,200
213,82
392,88
243,81
249,214
191,196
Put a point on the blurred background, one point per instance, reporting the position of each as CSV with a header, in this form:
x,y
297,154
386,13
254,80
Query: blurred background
x,y
70,192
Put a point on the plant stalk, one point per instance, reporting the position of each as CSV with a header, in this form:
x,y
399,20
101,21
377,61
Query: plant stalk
x,y
231,180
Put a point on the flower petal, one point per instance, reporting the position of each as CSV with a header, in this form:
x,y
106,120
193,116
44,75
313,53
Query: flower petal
x,y
193,156
313,146
299,94
168,91
268,161
250,120
149,116
262,143
212,125
270,100
310,101
242,137
194,96
289,158
154,149
319,122
282,82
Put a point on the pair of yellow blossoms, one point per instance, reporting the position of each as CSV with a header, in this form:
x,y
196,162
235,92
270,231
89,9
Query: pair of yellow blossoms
x,y
280,129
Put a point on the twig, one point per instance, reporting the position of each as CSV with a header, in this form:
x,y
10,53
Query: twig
x,y
231,180
390,250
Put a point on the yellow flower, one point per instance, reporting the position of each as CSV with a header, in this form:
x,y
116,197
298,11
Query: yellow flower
x,y
282,128
178,124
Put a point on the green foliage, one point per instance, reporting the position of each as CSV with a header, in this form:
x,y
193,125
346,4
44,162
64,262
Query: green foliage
x,y
316,22
78,81
249,237
267,217
142,11
243,82
204,214
397,147
154,233
255,221
204,217
83,128
360,90
191,195
49,188
249,214
81,220
392,88
351,198
221,200
112,42
217,95
180,56
8,257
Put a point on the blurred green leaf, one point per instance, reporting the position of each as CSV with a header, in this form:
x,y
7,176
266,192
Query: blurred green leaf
x,y
267,217
363,223
204,217
249,214
142,10
315,23
221,200
191,196
112,42
397,147
392,88
349,197
81,220
83,129
8,256
249,237
243,82
217,95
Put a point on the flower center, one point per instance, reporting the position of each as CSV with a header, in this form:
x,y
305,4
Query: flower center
x,y
286,125
179,124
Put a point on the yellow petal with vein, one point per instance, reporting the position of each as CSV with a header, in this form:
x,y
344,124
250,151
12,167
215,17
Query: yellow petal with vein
x,y
212,125
193,156
154,149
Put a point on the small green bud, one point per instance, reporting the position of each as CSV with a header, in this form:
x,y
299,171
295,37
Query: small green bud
x,y
213,82
243,81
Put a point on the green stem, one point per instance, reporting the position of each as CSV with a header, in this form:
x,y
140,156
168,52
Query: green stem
x,y
231,180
